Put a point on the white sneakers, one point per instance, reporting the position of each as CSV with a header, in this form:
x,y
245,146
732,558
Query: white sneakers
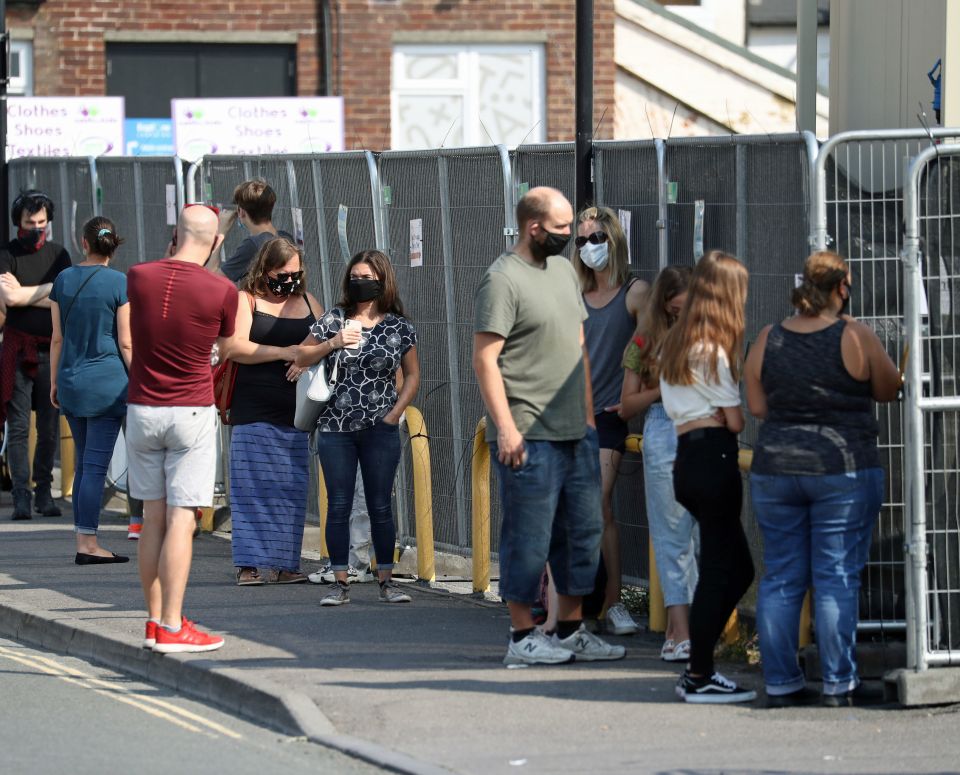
x,y
354,575
619,621
538,648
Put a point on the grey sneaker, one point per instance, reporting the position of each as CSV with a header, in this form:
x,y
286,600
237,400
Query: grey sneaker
x,y
587,647
390,592
537,648
338,595
619,621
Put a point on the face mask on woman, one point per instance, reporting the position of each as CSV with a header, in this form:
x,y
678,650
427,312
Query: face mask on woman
x,y
363,289
285,283
595,256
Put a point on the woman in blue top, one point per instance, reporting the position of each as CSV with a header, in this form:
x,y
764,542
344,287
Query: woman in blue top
x,y
89,356
372,342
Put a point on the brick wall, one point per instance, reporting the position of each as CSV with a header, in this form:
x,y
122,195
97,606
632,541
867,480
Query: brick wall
x,y
362,60
69,48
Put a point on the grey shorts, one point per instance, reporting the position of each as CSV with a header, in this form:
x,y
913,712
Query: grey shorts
x,y
172,453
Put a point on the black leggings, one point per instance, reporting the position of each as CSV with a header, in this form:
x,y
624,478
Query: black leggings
x,y
706,481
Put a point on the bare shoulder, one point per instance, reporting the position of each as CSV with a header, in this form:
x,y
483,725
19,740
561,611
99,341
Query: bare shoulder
x,y
315,304
637,295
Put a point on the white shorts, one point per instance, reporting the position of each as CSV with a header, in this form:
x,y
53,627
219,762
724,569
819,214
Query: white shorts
x,y
172,454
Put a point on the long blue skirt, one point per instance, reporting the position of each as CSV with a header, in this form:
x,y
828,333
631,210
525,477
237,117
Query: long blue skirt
x,y
269,466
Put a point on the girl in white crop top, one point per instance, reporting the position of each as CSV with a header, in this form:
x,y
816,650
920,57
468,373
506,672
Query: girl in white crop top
x,y
700,367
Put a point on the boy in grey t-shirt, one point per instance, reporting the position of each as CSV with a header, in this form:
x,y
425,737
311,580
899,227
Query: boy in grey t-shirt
x,y
534,378
255,201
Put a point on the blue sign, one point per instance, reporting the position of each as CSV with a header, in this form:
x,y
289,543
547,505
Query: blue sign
x,y
148,137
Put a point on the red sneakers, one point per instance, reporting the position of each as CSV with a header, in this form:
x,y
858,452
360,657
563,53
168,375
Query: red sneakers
x,y
150,635
188,640
133,531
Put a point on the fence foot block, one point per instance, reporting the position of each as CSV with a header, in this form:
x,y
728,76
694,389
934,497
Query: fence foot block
x,y
936,686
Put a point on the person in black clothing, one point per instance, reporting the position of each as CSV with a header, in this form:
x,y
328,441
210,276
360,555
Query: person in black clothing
x,y
255,201
29,264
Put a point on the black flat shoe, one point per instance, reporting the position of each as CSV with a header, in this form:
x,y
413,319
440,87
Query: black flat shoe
x,y
96,559
862,696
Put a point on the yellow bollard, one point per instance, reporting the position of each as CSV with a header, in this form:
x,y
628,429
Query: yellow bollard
x,y
422,492
806,630
206,518
68,458
480,492
731,633
657,612
322,508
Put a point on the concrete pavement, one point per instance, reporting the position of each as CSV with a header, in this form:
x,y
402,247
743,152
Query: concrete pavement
x,y
420,688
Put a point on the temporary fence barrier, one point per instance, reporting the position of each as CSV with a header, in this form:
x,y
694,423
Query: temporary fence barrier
x,y
857,209
931,472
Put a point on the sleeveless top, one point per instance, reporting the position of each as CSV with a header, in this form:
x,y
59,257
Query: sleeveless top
x,y
262,392
819,419
607,330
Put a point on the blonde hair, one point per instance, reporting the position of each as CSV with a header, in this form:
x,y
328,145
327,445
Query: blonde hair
x,y
713,316
619,261
670,283
823,271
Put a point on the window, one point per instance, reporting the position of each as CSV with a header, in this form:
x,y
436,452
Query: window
x,y
454,95
21,68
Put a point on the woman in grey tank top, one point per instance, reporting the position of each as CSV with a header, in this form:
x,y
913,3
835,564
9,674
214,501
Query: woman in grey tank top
x,y
614,300
816,481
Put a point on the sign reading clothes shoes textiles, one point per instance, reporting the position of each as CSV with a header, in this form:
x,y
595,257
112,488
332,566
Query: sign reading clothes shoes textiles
x,y
64,126
257,126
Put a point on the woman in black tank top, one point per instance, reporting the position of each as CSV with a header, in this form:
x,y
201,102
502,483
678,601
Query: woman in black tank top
x,y
269,459
816,480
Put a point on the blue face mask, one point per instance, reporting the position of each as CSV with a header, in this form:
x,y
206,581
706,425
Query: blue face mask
x,y
595,256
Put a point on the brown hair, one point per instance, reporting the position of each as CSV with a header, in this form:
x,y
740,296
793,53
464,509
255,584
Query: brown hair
x,y
256,198
619,261
670,283
101,236
273,254
389,300
823,271
713,316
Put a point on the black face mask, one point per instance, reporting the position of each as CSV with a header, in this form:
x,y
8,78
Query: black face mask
x,y
285,283
32,239
552,245
362,289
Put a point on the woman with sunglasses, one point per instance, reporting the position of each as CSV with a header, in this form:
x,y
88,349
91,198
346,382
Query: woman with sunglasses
x,y
614,301
269,460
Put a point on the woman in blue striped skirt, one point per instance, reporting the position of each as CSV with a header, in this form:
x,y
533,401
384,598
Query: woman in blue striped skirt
x,y
268,456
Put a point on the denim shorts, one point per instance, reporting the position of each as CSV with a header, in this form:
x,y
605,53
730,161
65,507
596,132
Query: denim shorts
x,y
172,453
551,511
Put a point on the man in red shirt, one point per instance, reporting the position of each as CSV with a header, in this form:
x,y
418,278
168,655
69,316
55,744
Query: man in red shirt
x,y
177,311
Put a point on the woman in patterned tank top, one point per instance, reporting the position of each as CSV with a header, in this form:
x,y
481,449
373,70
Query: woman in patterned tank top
x,y
816,481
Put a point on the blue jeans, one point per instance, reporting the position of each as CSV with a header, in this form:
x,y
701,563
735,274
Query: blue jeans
x,y
94,439
377,451
674,533
32,393
816,531
551,511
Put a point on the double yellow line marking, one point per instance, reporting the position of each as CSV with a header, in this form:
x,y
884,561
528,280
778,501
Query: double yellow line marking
x,y
115,690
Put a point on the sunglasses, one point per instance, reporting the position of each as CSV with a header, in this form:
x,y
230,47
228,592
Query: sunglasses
x,y
597,238
287,276
216,210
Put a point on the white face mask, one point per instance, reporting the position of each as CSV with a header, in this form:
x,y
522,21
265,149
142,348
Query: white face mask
x,y
595,256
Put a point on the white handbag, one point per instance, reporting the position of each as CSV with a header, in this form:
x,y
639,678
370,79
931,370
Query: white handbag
x,y
314,388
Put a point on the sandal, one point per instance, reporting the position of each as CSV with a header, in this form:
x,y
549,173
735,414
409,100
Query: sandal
x,y
679,652
288,577
249,577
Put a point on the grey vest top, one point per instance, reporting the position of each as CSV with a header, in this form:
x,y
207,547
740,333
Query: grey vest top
x,y
819,419
607,331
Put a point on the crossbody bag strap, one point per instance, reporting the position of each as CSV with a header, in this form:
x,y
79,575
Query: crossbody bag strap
x,y
63,317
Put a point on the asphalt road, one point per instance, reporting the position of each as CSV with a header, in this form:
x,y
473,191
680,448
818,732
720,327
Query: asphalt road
x,y
63,715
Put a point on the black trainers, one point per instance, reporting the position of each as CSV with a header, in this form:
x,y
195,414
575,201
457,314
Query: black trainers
x,y
798,699
21,506
713,690
862,696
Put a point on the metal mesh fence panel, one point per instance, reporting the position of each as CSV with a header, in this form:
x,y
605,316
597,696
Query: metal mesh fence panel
x,y
940,275
458,196
864,208
134,197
